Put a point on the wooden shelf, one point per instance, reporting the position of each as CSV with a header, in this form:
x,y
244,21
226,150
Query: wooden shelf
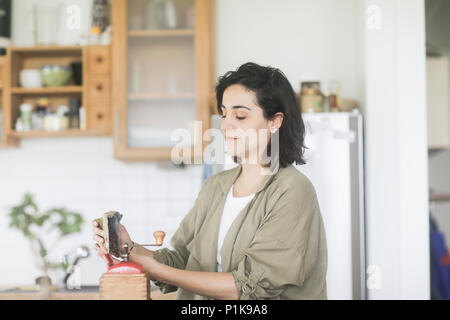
x,y
440,197
162,33
45,48
161,96
94,93
47,90
55,134
5,145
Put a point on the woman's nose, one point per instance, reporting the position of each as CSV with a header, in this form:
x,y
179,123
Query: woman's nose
x,y
226,124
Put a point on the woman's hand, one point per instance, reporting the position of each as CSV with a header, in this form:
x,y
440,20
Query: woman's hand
x,y
99,246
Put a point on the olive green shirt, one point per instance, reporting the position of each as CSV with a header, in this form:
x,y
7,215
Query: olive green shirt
x,y
275,248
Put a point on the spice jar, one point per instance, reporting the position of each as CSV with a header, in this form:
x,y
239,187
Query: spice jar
x,y
311,98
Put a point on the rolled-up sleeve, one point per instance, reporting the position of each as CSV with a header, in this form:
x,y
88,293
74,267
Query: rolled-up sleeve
x,y
179,256
285,247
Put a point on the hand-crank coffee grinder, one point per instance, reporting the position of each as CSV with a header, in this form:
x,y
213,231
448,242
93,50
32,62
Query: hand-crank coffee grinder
x,y
125,280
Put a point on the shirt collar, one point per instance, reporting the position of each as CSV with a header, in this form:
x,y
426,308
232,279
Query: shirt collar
x,y
231,175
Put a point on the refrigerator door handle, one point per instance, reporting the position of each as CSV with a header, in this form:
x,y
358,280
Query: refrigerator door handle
x,y
350,135
317,127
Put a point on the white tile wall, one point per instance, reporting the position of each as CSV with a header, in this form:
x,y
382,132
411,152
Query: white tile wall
x,y
82,175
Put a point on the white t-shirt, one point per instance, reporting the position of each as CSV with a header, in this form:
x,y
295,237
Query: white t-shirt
x,y
233,206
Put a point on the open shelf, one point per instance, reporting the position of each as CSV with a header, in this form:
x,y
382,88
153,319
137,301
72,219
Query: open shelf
x,y
93,94
162,33
47,90
54,134
440,197
46,49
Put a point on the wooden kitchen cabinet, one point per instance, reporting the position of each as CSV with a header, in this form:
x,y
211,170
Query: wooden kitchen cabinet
x,y
162,77
5,140
438,106
94,93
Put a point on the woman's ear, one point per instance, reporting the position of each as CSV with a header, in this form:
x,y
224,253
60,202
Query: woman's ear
x,y
276,122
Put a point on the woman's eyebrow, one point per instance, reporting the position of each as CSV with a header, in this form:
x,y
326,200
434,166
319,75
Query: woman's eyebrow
x,y
238,107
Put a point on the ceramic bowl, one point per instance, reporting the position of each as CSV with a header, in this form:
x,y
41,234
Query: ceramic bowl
x,y
30,78
56,75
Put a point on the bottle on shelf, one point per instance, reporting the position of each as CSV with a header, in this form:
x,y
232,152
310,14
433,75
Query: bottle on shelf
x,y
25,116
74,113
335,88
63,117
82,118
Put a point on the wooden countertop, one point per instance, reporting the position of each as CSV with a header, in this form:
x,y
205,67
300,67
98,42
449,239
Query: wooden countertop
x,y
74,295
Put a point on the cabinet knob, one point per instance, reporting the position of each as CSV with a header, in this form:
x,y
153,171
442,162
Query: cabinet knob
x,y
99,87
99,116
99,59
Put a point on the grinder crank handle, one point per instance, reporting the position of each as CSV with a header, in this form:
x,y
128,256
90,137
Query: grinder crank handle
x,y
159,237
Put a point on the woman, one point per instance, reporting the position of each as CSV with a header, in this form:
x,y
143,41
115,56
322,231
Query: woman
x,y
252,233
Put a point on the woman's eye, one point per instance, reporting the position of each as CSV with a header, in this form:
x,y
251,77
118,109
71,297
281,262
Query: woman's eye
x,y
240,118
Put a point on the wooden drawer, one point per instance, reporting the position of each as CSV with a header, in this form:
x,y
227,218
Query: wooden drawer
x,y
99,60
99,88
99,118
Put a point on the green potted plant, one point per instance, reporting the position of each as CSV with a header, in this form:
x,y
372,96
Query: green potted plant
x,y
26,218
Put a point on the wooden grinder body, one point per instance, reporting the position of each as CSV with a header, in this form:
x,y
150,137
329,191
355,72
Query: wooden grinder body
x,y
123,281
125,286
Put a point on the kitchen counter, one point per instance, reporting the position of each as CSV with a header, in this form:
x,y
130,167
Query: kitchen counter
x,y
87,293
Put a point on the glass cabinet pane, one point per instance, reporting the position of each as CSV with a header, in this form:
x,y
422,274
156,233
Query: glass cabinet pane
x,y
161,14
161,71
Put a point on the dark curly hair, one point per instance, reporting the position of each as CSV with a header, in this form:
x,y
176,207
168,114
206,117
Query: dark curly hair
x,y
274,94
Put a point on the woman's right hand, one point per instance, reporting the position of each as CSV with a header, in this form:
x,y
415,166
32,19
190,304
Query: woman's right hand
x,y
99,245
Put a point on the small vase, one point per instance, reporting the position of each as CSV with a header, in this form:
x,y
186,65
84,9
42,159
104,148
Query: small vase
x,y
44,284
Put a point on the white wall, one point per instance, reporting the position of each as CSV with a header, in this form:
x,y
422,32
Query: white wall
x,y
304,38
396,152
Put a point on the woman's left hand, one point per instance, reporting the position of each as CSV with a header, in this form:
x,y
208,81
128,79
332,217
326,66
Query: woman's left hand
x,y
99,246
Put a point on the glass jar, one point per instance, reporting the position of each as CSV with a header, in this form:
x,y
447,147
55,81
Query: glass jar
x,y
311,99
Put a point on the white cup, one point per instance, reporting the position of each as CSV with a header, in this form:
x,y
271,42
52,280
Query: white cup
x,y
31,78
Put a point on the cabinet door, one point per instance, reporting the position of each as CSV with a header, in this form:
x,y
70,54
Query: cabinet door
x,y
438,102
159,87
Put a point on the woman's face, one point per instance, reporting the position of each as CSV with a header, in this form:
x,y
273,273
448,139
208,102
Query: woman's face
x,y
244,126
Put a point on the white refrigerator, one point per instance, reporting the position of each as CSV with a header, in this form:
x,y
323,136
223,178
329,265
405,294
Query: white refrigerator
x,y
334,165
